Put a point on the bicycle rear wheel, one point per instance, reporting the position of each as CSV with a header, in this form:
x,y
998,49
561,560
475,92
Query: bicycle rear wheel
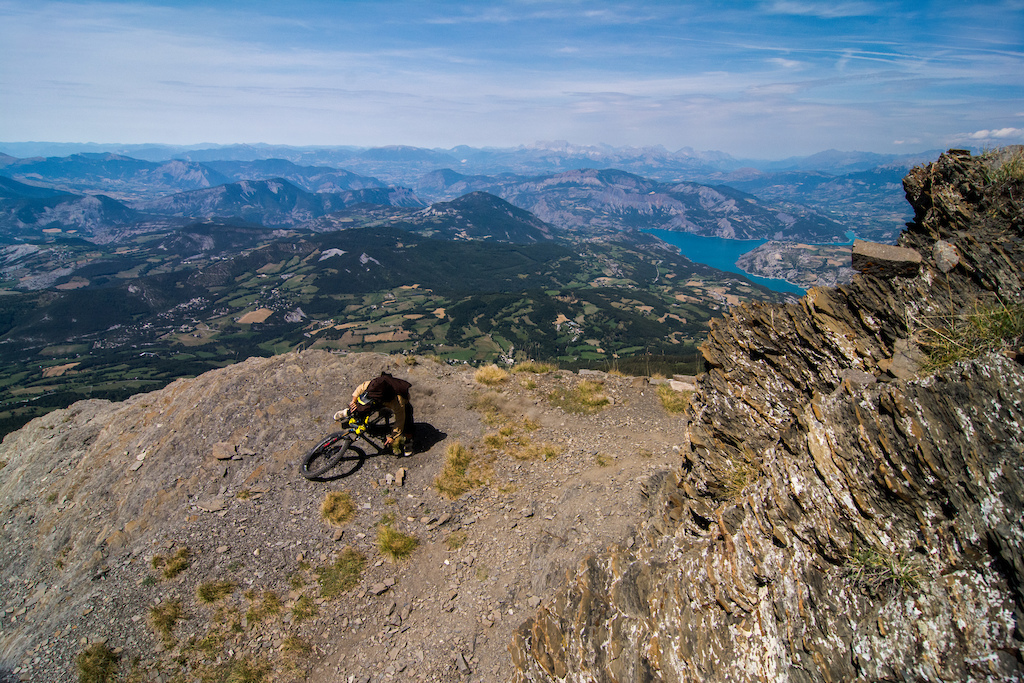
x,y
326,454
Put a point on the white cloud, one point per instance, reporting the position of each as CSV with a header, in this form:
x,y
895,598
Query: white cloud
x,y
1000,134
823,10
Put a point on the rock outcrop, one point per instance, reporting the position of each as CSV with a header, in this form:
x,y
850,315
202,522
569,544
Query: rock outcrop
x,y
843,512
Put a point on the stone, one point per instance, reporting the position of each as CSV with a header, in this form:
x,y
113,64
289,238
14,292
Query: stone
x,y
946,256
223,450
885,260
212,505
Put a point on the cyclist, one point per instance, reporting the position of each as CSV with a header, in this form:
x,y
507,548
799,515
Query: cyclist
x,y
387,392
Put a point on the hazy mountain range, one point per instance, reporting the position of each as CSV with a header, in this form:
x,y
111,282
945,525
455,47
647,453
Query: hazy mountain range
x,y
98,196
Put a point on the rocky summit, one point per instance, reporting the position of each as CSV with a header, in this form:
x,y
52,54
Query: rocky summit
x,y
839,499
848,506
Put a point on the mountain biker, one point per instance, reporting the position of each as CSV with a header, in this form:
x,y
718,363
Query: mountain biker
x,y
387,392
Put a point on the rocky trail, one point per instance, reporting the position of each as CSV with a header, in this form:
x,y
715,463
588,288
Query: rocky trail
x,y
207,470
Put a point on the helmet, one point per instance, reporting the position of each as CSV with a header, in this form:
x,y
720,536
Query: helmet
x,y
364,404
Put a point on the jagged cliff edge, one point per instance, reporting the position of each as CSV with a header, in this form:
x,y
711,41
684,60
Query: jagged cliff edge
x,y
840,514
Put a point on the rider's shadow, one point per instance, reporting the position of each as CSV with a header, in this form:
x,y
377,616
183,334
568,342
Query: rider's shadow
x,y
425,438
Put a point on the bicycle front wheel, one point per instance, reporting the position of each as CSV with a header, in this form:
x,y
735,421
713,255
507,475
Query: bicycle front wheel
x,y
326,454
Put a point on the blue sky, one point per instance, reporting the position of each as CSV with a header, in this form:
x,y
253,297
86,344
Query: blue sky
x,y
754,79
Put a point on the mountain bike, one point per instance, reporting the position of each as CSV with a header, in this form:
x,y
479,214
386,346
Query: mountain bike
x,y
338,447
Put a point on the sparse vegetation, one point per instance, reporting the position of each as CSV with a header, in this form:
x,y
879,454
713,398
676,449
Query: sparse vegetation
x,y
534,367
304,608
602,460
585,398
262,605
948,339
293,645
671,400
338,508
174,565
97,663
490,375
740,474
460,472
394,544
455,540
163,617
540,451
1009,166
490,405
344,574
212,591
882,572
245,670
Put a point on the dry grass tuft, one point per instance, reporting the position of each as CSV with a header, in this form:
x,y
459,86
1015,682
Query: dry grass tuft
x,y
337,508
304,608
534,367
948,339
97,663
585,398
491,376
262,605
460,473
491,407
344,574
673,401
541,451
173,565
1009,166
739,475
163,617
212,591
394,543
884,573
248,671
455,540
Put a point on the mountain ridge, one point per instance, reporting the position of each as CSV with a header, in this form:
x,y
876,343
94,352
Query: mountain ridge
x,y
731,542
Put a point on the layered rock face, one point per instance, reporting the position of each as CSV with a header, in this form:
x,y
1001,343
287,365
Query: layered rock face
x,y
841,512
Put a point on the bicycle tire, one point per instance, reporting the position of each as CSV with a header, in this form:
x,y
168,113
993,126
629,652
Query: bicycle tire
x,y
326,454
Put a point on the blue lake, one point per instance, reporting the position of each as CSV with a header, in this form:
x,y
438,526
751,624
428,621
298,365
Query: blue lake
x,y
721,253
